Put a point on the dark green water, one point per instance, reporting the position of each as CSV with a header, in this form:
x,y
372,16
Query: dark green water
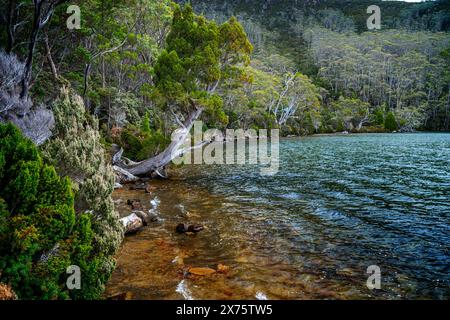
x,y
338,205
348,202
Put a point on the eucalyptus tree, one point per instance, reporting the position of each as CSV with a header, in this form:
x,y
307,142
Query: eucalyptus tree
x,y
199,58
296,96
396,68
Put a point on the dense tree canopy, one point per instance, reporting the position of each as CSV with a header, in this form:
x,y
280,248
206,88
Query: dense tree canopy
x,y
198,57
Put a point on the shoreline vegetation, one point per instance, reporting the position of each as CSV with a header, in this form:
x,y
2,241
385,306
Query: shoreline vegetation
x,y
96,110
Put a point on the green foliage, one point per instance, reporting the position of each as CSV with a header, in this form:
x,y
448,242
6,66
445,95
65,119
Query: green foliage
x,y
39,233
145,125
76,151
378,116
410,119
199,55
354,65
390,122
141,144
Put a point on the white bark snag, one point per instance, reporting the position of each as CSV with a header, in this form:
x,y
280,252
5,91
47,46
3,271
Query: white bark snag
x,y
123,176
157,163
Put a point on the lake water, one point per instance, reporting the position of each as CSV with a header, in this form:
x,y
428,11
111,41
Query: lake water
x,y
338,205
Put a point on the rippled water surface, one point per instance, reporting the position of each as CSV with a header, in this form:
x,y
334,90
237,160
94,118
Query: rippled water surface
x,y
338,205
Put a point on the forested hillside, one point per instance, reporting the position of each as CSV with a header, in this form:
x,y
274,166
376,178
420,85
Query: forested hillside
x,y
401,69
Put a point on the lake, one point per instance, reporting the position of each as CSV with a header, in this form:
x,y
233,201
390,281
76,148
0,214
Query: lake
x,y
338,205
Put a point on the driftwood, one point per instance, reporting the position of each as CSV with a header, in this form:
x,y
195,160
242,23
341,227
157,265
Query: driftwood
x,y
123,176
128,170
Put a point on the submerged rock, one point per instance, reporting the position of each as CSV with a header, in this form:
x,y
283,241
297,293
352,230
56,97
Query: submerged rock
x,y
138,186
121,296
221,268
185,228
149,188
135,204
201,271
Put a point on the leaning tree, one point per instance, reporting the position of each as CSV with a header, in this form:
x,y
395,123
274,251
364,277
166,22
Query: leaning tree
x,y
199,60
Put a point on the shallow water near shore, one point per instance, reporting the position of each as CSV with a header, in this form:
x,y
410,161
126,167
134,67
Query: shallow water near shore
x,y
338,205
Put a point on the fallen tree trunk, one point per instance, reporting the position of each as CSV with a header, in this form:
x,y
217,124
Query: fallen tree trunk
x,y
123,176
158,163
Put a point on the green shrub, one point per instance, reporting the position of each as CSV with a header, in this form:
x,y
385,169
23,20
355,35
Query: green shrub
x,y
378,117
76,151
138,144
145,126
40,234
390,123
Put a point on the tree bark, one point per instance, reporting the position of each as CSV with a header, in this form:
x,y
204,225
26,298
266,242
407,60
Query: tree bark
x,y
31,45
41,17
50,59
157,163
10,26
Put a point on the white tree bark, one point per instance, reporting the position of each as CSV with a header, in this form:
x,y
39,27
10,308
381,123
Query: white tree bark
x,y
159,162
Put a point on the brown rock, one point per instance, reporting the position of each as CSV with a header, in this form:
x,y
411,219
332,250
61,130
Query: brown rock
x,y
189,228
135,204
149,188
147,218
221,268
121,296
201,271
6,292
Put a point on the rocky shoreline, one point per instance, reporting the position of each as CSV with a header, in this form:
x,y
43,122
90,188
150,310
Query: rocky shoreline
x,y
138,205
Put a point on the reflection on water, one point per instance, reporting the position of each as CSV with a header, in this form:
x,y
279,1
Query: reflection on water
x,y
338,205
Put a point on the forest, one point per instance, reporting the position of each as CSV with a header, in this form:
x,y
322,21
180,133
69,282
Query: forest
x,y
82,109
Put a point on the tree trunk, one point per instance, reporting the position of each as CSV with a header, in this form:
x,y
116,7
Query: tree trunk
x,y
10,27
50,59
157,163
87,69
31,45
